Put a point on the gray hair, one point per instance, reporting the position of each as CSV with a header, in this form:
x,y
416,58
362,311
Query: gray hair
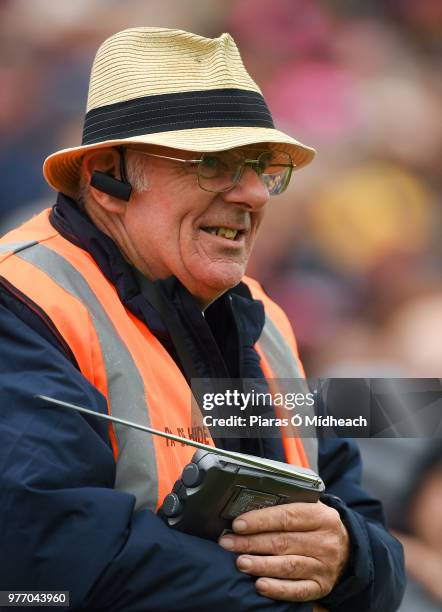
x,y
136,175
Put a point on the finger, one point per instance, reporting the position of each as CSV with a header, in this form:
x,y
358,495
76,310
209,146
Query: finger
x,y
298,516
275,543
288,590
293,567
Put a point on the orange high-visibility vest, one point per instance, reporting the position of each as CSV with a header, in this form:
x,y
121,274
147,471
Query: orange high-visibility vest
x,y
120,356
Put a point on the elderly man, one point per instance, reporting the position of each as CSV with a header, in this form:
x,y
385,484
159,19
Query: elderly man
x,y
161,205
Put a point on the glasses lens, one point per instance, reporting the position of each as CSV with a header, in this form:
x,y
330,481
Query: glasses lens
x,y
277,171
220,171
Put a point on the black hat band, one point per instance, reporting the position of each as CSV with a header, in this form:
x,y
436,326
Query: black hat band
x,y
176,111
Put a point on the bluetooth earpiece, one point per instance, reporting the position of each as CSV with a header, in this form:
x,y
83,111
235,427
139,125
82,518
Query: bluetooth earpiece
x,y
106,183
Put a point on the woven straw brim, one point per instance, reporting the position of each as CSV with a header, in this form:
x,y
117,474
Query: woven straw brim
x,y
61,169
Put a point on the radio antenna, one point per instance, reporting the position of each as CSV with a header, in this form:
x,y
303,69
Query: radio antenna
x,y
269,465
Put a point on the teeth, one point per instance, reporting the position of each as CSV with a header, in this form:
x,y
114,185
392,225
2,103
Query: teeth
x,y
226,232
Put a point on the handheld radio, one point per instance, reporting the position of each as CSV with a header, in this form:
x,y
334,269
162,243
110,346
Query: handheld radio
x,y
218,485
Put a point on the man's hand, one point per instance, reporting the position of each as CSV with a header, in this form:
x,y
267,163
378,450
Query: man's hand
x,y
298,550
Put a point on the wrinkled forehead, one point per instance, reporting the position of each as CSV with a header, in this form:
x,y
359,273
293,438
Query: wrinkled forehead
x,y
249,151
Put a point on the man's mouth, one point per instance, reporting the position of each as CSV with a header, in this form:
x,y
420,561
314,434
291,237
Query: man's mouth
x,y
224,232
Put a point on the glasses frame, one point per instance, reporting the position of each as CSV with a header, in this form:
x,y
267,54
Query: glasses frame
x,y
251,163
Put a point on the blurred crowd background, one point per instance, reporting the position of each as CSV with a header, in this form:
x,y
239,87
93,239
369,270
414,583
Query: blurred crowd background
x,y
353,250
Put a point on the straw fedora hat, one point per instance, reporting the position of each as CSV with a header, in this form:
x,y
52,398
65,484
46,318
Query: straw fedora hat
x,y
156,86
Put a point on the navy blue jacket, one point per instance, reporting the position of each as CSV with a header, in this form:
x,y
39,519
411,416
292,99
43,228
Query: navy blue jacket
x,y
64,527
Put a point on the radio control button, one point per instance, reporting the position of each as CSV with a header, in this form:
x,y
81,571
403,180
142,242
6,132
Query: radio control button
x,y
171,505
192,475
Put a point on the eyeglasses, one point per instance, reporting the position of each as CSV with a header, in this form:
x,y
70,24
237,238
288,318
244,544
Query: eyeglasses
x,y
219,172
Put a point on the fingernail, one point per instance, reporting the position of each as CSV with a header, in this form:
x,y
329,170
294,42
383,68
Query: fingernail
x,y
226,543
239,525
244,563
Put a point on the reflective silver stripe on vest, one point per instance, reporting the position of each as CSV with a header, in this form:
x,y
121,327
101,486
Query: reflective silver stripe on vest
x,y
136,470
15,247
284,366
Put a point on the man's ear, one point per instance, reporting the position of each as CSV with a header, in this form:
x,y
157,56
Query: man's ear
x,y
102,170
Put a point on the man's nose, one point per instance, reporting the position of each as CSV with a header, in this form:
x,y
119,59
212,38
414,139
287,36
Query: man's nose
x,y
249,191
